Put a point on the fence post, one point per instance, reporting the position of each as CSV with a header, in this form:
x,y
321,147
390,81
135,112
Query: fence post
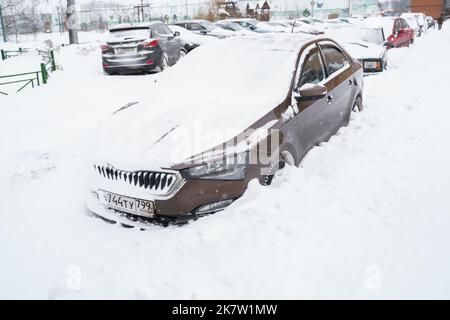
x,y
3,54
52,56
44,73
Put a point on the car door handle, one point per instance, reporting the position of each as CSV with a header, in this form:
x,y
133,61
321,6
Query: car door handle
x,y
329,99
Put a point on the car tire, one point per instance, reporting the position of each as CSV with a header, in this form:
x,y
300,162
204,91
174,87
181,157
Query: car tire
x,y
164,62
357,105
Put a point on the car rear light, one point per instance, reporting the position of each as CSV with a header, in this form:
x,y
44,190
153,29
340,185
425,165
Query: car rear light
x,y
105,65
105,47
151,44
149,61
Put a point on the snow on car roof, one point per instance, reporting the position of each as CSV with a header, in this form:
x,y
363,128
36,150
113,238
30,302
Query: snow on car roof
x,y
222,87
133,25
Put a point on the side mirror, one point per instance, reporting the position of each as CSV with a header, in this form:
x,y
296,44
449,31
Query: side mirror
x,y
176,33
203,32
311,92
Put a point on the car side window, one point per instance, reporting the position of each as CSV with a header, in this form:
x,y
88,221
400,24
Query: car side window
x,y
167,31
161,30
196,27
335,60
312,71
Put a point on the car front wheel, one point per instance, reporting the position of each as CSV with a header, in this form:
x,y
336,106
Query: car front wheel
x,y
357,106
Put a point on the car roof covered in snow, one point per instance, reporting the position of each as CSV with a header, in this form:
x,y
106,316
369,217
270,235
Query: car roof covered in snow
x,y
133,25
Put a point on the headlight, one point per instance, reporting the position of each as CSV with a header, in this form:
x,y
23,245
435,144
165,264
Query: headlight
x,y
231,168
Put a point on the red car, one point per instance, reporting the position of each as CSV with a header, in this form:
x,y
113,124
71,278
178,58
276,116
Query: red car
x,y
397,31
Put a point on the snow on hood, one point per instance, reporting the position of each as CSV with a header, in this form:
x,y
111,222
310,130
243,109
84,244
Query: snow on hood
x,y
363,50
209,97
352,40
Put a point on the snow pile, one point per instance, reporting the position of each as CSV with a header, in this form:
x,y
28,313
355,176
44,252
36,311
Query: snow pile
x,y
365,216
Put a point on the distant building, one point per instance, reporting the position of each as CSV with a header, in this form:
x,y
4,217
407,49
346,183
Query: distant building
x,y
432,8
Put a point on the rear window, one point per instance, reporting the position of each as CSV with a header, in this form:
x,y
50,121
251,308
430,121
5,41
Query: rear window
x,y
130,32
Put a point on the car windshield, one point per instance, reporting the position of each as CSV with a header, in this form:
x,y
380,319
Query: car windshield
x,y
370,35
208,25
232,26
130,32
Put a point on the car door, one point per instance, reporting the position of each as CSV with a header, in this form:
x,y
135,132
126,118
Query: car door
x,y
339,83
311,120
173,43
165,41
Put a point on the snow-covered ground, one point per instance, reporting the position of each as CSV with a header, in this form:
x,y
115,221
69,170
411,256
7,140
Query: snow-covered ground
x,y
365,216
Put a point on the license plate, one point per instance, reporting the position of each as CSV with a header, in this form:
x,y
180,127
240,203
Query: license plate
x,y
124,51
140,207
371,65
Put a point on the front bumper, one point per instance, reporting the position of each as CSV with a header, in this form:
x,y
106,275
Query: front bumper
x,y
189,199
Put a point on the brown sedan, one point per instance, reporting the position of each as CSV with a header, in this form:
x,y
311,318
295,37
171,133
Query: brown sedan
x,y
232,111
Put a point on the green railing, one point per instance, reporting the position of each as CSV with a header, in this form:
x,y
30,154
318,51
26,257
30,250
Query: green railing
x,y
5,54
33,78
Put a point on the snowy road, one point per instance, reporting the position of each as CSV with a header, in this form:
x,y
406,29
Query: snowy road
x,y
365,216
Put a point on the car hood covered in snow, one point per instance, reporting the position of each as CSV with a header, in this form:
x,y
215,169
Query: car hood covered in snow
x,y
209,97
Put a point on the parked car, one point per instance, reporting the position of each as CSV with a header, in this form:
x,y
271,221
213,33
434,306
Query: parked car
x,y
145,164
413,22
296,26
248,23
366,44
420,18
202,27
191,40
140,47
396,30
271,26
234,28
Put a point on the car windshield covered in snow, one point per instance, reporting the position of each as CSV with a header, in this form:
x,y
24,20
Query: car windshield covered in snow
x,y
137,32
208,25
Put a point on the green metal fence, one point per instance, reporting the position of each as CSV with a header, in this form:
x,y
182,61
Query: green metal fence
x,y
33,78
5,54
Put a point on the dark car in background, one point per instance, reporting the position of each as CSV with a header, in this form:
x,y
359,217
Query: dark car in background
x,y
203,27
397,31
140,47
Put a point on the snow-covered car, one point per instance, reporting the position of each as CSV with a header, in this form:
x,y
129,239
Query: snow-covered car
x,y
140,47
413,22
316,23
271,101
397,31
248,23
191,40
431,22
233,28
420,18
296,26
203,27
366,44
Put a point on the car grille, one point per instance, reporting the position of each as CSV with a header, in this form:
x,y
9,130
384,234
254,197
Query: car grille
x,y
159,181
